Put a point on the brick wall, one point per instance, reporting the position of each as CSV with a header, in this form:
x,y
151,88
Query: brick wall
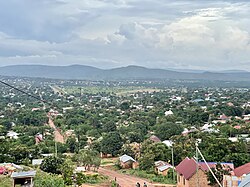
x,y
202,179
192,182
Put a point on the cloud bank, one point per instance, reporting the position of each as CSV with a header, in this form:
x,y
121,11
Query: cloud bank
x,y
181,34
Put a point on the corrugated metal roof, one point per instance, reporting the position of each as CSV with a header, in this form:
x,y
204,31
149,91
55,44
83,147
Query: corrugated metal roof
x,y
126,158
162,168
245,182
23,174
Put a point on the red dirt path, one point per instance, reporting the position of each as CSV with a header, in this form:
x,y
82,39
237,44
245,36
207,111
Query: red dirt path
x,y
58,136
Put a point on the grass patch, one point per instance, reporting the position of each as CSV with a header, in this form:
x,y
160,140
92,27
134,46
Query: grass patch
x,y
5,181
119,90
148,175
94,178
108,161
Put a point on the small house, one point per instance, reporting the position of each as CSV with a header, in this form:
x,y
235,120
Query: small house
x,y
23,178
37,162
162,167
127,162
155,139
168,113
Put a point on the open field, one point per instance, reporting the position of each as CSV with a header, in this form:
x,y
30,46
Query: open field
x,y
123,90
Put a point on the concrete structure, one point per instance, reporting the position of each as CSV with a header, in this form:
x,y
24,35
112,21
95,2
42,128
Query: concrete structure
x,y
37,162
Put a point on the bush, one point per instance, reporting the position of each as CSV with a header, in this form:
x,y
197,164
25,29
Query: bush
x,y
52,164
92,179
43,179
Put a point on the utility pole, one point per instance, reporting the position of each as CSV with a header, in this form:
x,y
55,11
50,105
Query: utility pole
x,y
197,163
218,182
172,151
55,149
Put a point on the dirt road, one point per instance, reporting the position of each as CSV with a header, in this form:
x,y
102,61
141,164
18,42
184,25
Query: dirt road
x,y
123,179
58,136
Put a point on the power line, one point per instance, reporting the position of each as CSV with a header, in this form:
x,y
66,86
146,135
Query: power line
x,y
24,92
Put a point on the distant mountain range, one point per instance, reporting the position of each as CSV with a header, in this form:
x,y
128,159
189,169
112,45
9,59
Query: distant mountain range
x,y
129,72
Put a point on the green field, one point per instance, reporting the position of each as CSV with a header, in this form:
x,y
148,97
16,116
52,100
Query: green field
x,y
121,90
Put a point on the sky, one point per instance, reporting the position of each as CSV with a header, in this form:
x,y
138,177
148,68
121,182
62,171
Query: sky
x,y
178,34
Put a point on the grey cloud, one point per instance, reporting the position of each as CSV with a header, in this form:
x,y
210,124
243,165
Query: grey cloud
x,y
164,33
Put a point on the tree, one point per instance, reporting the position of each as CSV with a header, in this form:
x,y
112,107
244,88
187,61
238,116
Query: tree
x,y
72,144
218,171
109,127
52,164
135,137
67,168
88,158
146,161
151,152
165,130
238,159
125,106
48,180
111,143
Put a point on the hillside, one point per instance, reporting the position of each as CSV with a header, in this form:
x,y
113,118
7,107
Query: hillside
x,y
129,72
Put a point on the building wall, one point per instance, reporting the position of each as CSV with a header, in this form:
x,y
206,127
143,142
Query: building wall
x,y
164,173
135,165
126,165
231,181
192,182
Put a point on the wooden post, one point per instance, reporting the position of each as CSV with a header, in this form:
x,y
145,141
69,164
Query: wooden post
x,y
31,182
14,184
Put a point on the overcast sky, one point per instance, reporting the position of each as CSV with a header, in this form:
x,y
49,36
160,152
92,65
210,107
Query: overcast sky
x,y
182,34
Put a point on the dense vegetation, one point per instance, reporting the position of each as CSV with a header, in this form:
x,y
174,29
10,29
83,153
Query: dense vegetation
x,y
111,123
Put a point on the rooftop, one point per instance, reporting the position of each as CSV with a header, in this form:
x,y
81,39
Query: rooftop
x,y
23,174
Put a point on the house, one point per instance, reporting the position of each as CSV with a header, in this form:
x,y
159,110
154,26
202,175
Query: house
x,y
224,117
168,143
186,131
240,176
37,162
197,100
162,167
242,170
80,169
38,138
189,170
231,181
23,178
12,135
127,162
187,174
168,113
155,139
8,168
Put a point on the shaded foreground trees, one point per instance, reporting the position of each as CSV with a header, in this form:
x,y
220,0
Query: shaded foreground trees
x,y
88,159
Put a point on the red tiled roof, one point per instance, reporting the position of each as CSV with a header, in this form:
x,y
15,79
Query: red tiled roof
x,y
187,168
155,139
244,169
